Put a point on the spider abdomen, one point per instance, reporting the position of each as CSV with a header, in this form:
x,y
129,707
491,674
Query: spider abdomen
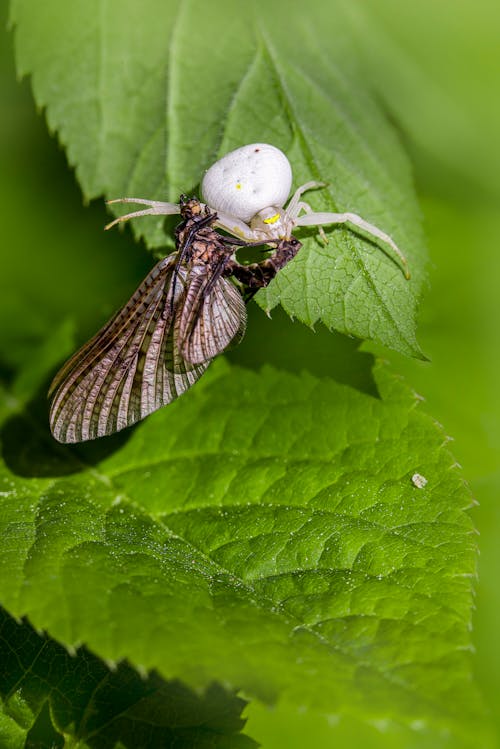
x,y
246,180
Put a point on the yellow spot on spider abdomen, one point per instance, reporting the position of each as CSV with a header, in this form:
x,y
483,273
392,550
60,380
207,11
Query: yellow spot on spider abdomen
x,y
272,219
238,185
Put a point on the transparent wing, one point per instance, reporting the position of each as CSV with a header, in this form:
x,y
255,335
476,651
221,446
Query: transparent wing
x,y
213,315
130,368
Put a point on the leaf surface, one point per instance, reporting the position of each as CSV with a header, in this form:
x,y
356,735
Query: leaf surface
x,y
263,532
146,96
51,695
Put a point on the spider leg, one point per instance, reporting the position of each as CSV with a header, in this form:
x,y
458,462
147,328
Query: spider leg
x,y
236,227
293,208
302,206
156,208
319,219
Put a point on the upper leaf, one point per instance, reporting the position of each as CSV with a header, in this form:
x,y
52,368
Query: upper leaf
x,y
145,96
265,532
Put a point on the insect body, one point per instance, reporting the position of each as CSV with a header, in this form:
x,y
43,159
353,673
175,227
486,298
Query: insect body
x,y
183,314
248,188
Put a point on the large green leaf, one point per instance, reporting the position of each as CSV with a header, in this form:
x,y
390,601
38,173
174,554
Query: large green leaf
x,y
145,96
264,532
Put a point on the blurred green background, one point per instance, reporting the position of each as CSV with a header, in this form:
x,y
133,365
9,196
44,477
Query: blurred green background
x,y
436,68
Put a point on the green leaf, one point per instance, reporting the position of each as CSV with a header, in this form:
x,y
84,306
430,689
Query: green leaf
x,y
263,532
460,330
145,97
51,248
51,695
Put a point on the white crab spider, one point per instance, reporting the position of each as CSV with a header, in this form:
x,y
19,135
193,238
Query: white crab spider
x,y
248,188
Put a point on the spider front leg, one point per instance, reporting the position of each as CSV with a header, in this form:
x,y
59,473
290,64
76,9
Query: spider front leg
x,y
156,208
306,208
293,207
237,228
296,205
322,219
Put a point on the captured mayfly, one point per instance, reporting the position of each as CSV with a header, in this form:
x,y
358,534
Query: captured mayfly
x,y
184,313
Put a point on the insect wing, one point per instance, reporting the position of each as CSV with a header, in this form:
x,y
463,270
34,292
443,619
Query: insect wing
x,y
212,316
130,368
